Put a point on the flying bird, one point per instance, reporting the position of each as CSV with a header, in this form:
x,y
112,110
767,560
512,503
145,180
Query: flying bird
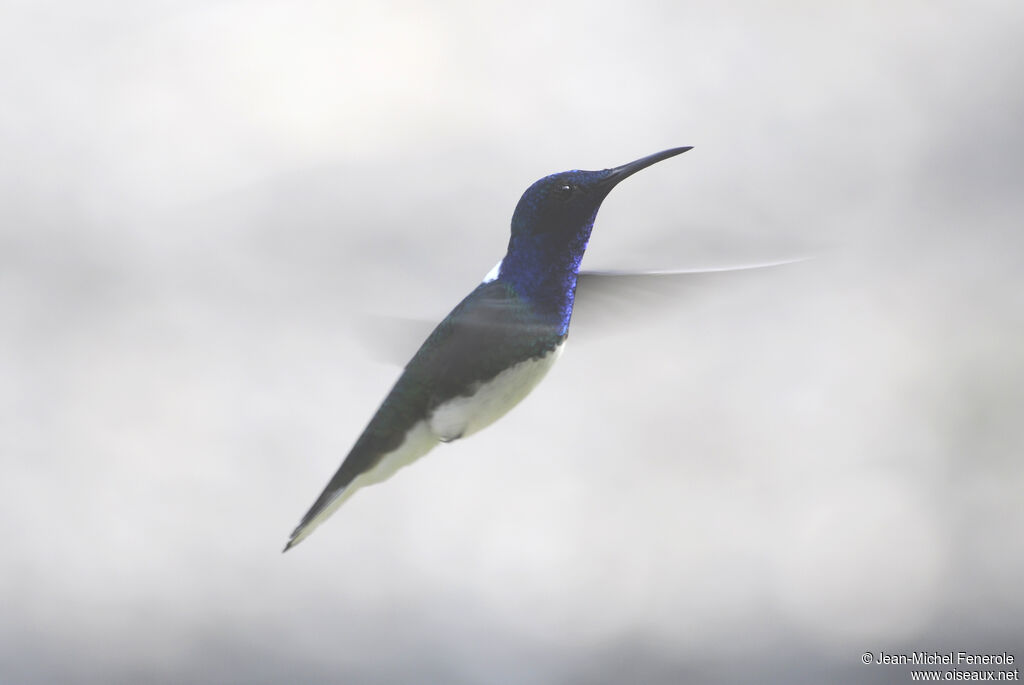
x,y
494,347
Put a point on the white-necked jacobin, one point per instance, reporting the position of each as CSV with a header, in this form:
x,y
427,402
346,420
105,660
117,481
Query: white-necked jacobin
x,y
494,347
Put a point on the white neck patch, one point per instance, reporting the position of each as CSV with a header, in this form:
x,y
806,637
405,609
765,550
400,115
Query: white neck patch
x,y
493,273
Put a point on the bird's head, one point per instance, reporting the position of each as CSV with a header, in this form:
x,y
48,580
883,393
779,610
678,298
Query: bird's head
x,y
558,211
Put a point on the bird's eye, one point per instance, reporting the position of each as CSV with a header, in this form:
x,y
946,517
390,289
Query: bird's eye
x,y
566,190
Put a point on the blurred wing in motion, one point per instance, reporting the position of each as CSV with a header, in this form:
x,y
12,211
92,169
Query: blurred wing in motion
x,y
607,299
392,339
602,298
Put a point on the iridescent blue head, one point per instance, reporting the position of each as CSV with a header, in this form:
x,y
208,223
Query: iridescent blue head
x,y
550,230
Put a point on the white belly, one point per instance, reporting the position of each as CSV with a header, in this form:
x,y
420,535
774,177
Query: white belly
x,y
462,416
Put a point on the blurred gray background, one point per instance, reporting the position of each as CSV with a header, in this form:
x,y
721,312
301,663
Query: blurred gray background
x,y
757,479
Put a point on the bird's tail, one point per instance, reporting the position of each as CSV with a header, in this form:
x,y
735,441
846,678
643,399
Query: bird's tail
x,y
418,441
321,510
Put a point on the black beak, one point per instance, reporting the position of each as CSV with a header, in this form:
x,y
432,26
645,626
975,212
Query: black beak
x,y
626,170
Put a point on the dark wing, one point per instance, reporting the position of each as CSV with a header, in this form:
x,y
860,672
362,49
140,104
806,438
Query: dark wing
x,y
475,343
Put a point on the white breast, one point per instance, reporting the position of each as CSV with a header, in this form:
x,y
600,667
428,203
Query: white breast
x,y
462,416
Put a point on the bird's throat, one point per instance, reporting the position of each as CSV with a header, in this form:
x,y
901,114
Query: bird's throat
x,y
544,275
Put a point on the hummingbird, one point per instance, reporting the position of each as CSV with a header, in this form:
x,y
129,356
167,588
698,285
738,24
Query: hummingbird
x,y
494,347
